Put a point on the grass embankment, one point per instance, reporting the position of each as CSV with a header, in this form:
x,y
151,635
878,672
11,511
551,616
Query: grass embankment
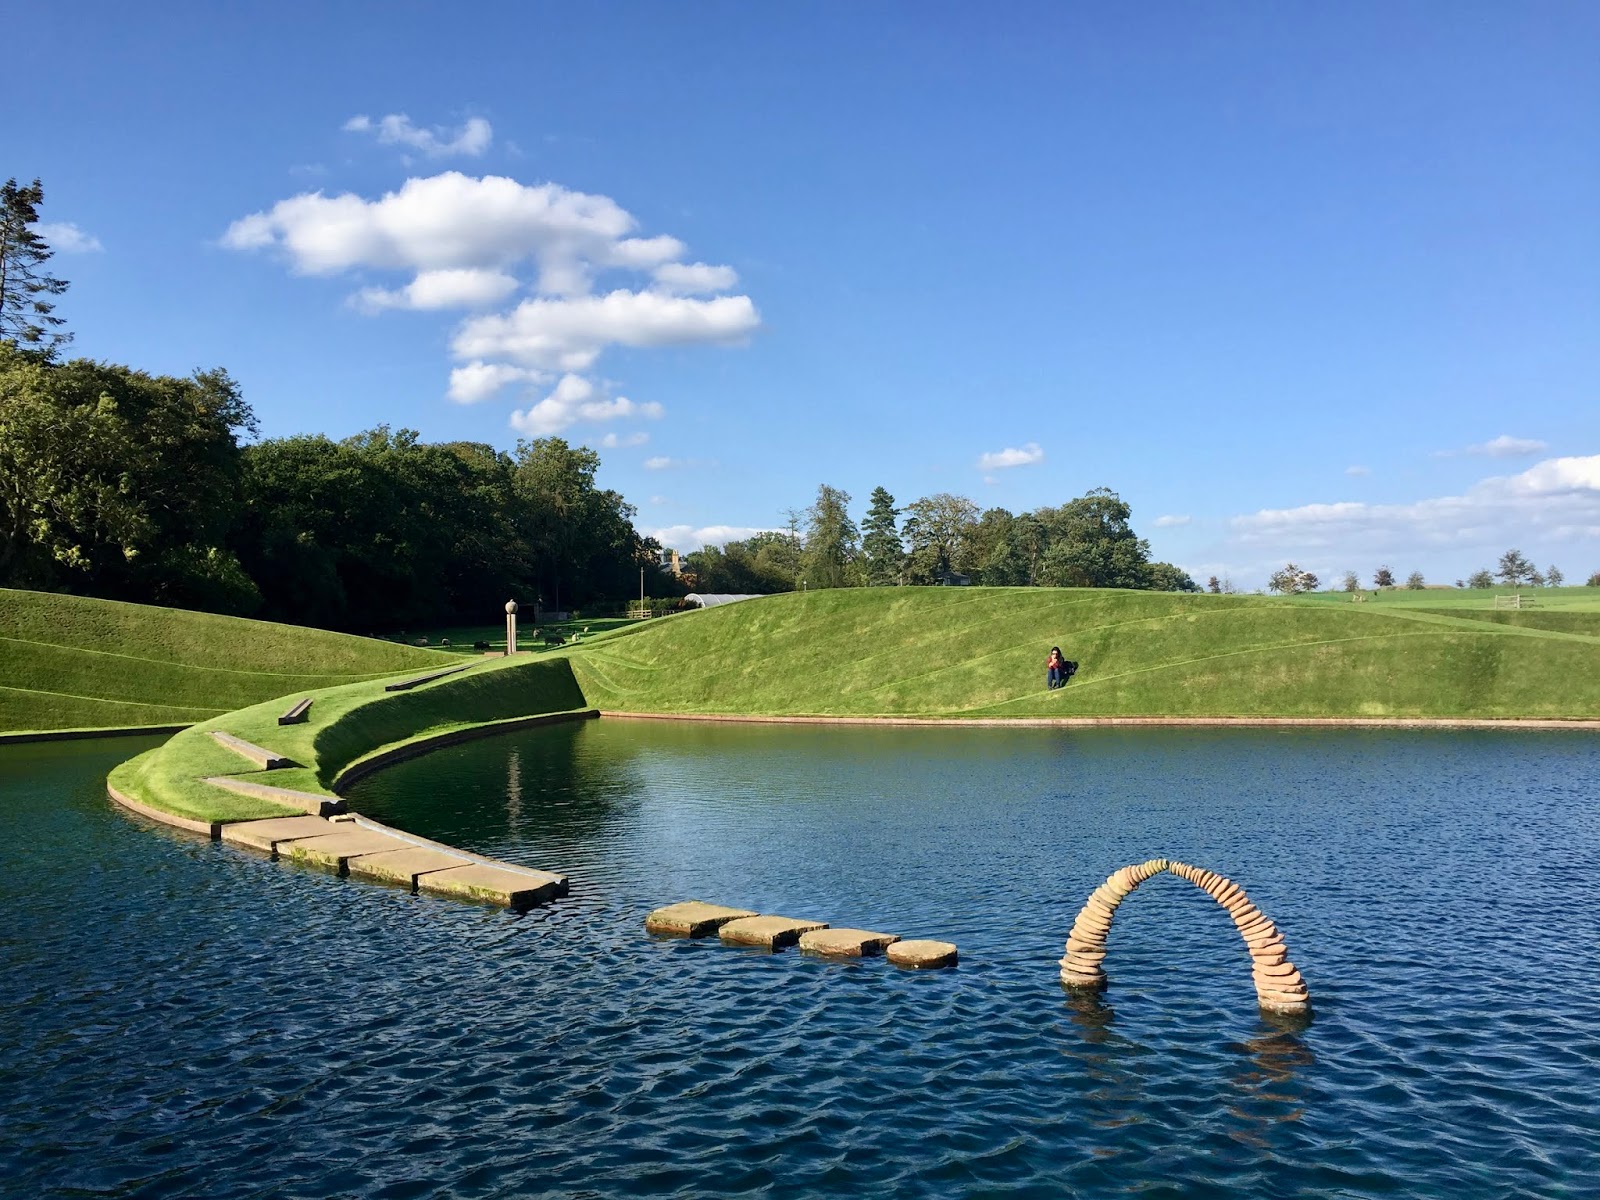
x,y
979,652
347,724
76,663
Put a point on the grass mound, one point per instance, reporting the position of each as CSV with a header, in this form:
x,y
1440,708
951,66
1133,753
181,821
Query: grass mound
x,y
76,663
347,724
979,652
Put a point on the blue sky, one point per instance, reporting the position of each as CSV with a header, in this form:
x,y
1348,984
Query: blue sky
x,y
1319,283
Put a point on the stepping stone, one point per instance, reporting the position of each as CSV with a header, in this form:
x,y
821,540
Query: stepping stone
x,y
403,866
845,943
774,933
336,849
922,953
494,884
267,760
266,834
692,918
298,713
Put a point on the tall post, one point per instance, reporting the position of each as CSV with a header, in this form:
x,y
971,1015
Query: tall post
x,y
511,627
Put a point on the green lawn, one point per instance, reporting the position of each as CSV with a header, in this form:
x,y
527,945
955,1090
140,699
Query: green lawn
x,y
1561,599
979,652
75,663
462,638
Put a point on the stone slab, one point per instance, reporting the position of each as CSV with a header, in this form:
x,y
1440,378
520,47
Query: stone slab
x,y
692,918
405,685
337,848
311,802
845,943
773,933
297,714
267,760
403,866
923,953
266,834
494,885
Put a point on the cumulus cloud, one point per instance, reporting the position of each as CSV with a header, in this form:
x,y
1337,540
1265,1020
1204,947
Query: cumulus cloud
x,y
1171,522
460,242
479,380
613,441
396,129
1504,446
999,460
694,279
575,399
460,288
1557,500
67,237
686,538
569,334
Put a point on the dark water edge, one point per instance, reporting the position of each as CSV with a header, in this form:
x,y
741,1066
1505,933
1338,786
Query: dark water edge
x,y
186,1020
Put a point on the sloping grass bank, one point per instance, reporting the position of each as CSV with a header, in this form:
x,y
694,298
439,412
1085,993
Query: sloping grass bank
x,y
979,652
347,724
76,663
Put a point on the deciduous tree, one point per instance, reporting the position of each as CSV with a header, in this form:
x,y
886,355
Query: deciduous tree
x,y
1383,578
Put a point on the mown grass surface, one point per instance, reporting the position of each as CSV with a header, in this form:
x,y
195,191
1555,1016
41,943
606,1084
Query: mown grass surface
x,y
71,662
979,652
347,724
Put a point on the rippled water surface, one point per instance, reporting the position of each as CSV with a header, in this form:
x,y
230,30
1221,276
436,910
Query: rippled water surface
x,y
183,1019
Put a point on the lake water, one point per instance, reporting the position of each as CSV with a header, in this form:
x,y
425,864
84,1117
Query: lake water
x,y
183,1019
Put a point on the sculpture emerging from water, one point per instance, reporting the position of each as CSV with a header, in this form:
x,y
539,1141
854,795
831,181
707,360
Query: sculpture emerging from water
x,y
1279,986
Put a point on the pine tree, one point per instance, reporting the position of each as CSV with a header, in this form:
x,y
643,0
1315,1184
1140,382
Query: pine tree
x,y
880,540
26,317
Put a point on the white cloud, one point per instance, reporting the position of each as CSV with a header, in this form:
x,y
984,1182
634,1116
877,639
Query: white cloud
x,y
459,288
1555,501
479,380
1171,522
1358,471
685,538
577,399
467,242
67,238
613,441
569,334
1504,446
396,129
998,460
694,279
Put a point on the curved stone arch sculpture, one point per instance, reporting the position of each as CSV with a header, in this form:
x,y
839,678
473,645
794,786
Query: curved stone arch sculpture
x,y
1279,986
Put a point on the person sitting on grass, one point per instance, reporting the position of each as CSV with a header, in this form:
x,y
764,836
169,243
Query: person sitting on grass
x,y
1055,669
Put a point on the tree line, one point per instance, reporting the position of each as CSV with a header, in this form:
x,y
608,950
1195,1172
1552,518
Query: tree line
x,y
1514,570
943,538
131,486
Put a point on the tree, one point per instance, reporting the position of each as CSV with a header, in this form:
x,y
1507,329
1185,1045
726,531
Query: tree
x,y
880,540
1480,579
1164,577
1214,586
1414,582
831,549
1514,568
1535,579
26,316
1383,578
1553,576
1351,583
1593,580
1290,580
938,532
1093,545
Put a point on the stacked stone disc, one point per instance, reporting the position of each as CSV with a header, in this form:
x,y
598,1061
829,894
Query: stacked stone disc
x,y
1086,942
1279,986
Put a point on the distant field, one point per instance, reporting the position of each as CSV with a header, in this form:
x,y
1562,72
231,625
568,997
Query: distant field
x,y
979,652
463,637
1564,599
74,663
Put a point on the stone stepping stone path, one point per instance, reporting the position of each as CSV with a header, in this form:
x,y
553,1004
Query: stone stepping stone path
x,y
1278,983
741,927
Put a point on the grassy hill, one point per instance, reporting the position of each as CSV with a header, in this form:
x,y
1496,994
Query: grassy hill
x,y
75,663
979,652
